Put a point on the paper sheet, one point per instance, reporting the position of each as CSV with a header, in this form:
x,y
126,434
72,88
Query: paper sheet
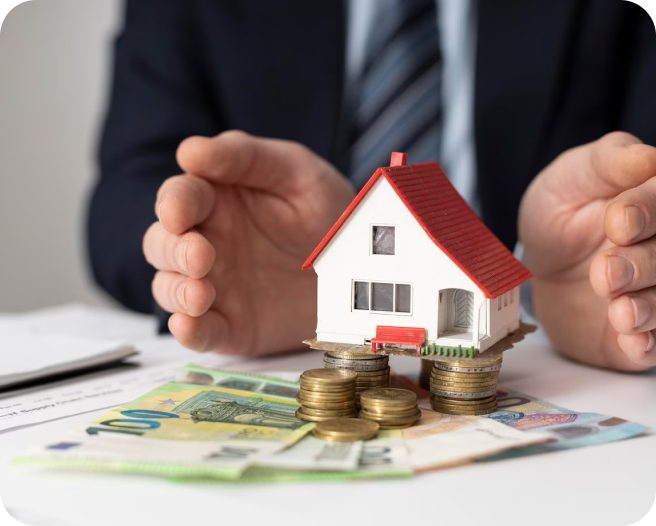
x,y
98,392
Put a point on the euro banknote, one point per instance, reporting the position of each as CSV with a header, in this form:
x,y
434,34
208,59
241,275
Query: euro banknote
x,y
569,429
242,381
182,429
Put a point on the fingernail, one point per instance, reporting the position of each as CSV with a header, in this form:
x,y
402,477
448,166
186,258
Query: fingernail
x,y
635,221
650,342
181,255
641,312
619,272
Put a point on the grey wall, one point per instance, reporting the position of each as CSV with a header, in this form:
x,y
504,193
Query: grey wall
x,y
54,66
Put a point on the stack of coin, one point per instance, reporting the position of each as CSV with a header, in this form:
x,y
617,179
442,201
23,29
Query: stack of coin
x,y
465,387
346,429
373,369
391,408
326,394
424,373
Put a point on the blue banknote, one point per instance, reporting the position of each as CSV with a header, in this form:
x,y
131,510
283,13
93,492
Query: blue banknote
x,y
569,428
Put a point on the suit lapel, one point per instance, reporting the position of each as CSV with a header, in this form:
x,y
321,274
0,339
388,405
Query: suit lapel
x,y
521,47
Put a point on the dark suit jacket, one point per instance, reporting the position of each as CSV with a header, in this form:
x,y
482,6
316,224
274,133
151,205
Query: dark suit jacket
x,y
550,74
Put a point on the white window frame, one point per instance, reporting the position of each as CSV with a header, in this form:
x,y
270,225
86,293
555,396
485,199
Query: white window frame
x,y
370,310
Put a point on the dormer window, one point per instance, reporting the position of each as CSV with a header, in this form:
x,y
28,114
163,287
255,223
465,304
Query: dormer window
x,y
382,240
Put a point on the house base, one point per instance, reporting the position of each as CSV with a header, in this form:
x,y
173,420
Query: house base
x,y
431,351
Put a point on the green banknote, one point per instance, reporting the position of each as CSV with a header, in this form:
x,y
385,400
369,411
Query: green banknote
x,y
385,456
255,383
182,429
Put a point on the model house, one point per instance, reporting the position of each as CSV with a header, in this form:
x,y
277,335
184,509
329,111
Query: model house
x,y
409,262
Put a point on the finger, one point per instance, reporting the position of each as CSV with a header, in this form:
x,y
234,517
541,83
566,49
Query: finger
x,y
634,313
639,349
624,269
204,333
234,157
177,293
616,162
631,216
183,201
190,254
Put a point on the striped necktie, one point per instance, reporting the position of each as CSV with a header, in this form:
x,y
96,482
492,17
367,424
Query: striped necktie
x,y
397,106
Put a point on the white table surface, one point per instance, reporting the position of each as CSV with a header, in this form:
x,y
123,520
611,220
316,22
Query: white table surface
x,y
608,484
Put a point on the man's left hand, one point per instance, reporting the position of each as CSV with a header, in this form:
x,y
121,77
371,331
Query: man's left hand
x,y
588,226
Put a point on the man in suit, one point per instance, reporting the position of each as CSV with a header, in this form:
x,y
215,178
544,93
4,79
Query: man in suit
x,y
551,83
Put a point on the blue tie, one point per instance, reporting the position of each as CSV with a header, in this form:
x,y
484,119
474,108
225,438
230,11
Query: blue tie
x,y
397,106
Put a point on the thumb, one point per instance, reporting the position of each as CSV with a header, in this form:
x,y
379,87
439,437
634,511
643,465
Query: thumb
x,y
234,157
600,170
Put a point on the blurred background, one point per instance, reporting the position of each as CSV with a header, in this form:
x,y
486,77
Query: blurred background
x,y
54,68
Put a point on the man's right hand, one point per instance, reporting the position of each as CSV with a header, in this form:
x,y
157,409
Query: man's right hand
x,y
231,237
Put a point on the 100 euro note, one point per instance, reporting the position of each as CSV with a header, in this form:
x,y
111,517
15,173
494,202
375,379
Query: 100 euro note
x,y
181,430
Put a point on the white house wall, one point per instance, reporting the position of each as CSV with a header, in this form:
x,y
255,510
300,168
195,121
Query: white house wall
x,y
505,320
417,261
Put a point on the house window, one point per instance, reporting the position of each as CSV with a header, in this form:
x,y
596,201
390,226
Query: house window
x,y
505,300
499,303
402,301
361,295
382,240
382,297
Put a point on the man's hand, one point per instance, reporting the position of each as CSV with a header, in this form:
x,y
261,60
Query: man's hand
x,y
588,225
231,237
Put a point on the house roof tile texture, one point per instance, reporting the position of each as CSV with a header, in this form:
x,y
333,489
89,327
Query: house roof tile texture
x,y
449,222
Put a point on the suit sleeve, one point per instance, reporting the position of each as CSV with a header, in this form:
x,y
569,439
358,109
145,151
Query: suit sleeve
x,y
159,96
639,106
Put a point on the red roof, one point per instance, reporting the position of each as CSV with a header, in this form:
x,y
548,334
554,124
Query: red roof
x,y
449,221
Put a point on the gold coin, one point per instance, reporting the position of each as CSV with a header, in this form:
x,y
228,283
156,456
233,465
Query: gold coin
x,y
466,402
313,418
327,390
314,397
346,429
391,416
468,368
328,376
350,355
463,394
389,396
379,372
450,375
382,408
470,403
471,362
385,427
451,410
373,415
313,404
463,387
328,412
